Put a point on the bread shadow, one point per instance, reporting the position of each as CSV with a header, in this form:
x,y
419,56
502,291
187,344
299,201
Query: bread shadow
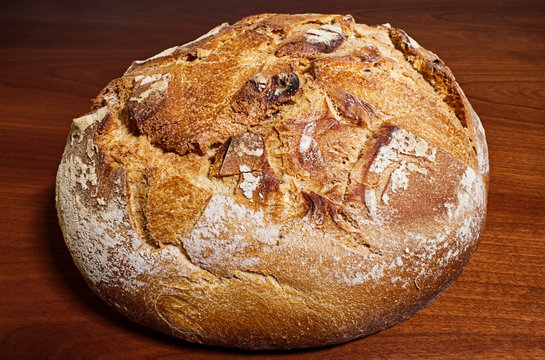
x,y
71,278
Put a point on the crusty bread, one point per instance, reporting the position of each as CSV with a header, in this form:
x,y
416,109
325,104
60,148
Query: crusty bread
x,y
287,181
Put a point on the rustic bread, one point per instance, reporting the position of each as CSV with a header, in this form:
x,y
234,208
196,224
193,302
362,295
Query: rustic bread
x,y
287,181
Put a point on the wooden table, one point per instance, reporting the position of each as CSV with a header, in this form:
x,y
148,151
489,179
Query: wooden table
x,y
56,55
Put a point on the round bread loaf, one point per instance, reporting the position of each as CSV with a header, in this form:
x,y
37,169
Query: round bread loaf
x,y
287,181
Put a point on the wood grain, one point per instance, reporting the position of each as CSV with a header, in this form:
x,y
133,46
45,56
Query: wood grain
x,y
56,55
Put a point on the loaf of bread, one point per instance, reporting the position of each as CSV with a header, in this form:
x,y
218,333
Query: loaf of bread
x,y
287,181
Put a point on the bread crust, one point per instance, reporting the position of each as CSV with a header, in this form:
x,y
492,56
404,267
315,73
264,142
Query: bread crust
x,y
257,220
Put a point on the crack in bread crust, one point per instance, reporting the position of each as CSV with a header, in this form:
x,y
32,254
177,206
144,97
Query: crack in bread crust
x,y
291,168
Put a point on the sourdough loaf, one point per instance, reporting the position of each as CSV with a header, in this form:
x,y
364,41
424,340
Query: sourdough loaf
x,y
287,181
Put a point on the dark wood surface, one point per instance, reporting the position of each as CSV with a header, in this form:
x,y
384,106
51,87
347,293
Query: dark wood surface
x,y
56,55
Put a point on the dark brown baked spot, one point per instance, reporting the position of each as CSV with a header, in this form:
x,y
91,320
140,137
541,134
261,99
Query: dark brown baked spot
x,y
269,183
250,100
283,87
245,152
317,205
146,101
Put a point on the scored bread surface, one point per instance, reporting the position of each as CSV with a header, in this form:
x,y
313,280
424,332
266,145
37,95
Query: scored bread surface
x,y
287,181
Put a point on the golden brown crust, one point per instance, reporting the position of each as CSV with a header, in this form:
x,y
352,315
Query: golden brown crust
x,y
286,181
